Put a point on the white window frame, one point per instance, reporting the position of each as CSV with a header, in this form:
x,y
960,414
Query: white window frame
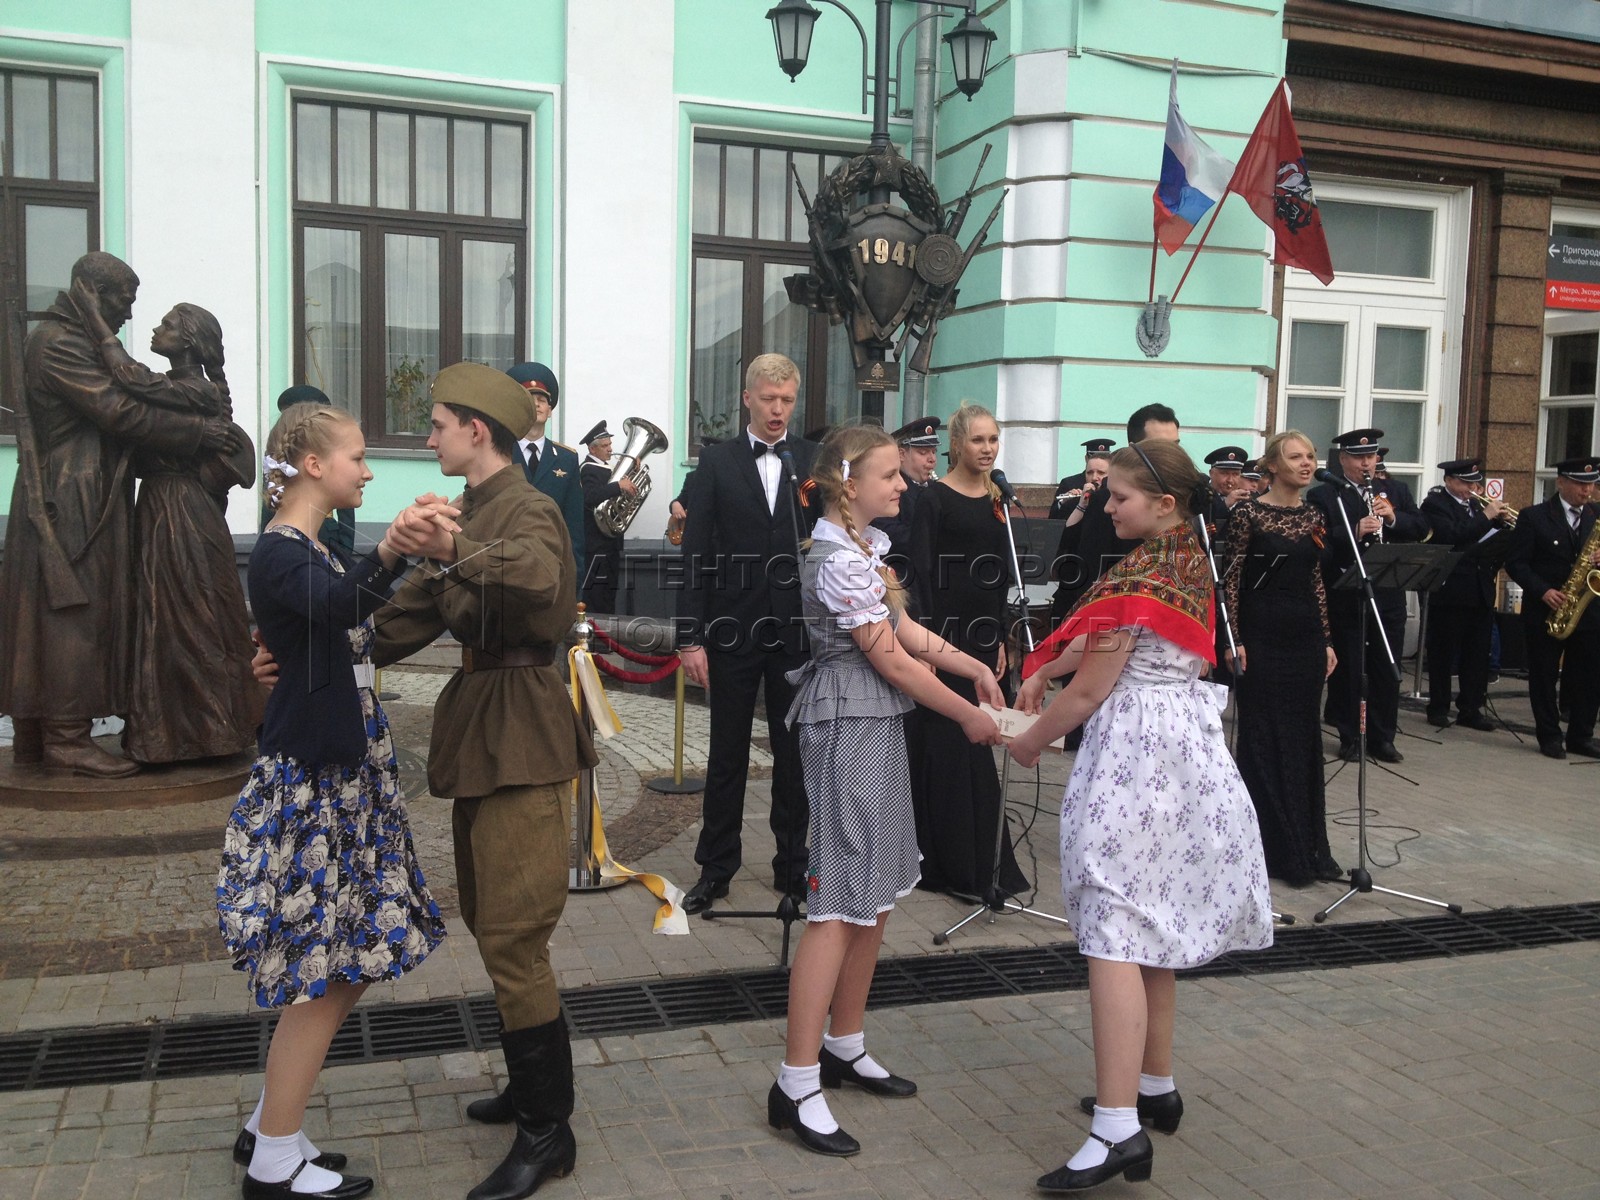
x,y
1437,303
1558,322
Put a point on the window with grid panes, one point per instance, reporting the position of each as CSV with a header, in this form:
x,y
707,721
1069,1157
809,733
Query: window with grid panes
x,y
410,235
750,232
49,192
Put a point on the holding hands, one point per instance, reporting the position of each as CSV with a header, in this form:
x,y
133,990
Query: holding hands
x,y
425,529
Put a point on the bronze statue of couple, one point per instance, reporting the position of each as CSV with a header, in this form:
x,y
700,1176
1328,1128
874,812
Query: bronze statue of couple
x,y
108,608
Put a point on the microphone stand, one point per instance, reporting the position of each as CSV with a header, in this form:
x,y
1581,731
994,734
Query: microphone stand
x,y
994,900
1360,875
788,909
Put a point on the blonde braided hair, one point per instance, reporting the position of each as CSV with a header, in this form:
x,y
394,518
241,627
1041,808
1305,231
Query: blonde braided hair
x,y
851,444
302,429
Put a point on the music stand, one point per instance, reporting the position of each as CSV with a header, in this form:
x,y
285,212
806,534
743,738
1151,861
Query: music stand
x,y
1406,566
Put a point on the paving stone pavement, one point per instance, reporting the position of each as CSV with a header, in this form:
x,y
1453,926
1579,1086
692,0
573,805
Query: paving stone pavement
x,y
1468,1077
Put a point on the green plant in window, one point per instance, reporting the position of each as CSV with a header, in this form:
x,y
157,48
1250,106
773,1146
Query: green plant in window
x,y
718,425
408,397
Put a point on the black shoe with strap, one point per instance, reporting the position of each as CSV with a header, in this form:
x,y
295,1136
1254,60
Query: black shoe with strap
x,y
1163,1111
836,1071
348,1188
539,1062
784,1113
1132,1159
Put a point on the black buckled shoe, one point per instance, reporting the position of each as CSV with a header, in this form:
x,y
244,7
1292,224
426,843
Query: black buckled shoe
x,y
244,1149
348,1187
1132,1159
836,1071
784,1113
1163,1111
698,898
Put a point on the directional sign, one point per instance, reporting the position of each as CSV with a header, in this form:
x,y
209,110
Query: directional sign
x,y
1572,274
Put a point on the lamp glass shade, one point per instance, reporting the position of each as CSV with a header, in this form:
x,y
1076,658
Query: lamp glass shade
x,y
792,22
969,44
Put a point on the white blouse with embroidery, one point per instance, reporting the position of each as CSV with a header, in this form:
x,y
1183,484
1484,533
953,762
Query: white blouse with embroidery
x,y
849,583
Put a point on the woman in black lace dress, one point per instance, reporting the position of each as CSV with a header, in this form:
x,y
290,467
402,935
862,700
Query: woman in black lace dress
x,y
961,569
1280,620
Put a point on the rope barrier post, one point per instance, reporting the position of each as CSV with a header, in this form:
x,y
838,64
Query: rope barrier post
x,y
585,874
677,785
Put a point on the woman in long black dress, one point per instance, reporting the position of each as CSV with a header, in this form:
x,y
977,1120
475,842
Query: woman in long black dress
x,y
961,570
1280,615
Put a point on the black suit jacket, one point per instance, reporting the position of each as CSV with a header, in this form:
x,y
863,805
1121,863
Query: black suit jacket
x,y
741,586
1060,509
1471,584
1543,552
1337,557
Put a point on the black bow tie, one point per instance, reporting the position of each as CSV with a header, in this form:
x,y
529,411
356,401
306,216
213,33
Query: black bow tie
x,y
760,448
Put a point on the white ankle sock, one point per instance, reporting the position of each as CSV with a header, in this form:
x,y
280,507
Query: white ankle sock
x,y
308,1148
276,1158
1113,1124
1155,1085
848,1048
796,1082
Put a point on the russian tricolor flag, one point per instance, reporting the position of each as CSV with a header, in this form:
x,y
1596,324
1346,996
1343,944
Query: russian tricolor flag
x,y
1193,177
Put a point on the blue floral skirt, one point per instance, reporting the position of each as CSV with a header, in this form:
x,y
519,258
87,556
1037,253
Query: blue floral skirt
x,y
319,881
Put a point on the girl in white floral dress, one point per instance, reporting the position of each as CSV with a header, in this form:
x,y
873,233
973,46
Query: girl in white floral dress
x,y
1161,862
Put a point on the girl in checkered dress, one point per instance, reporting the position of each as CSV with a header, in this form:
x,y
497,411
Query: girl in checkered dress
x,y
863,675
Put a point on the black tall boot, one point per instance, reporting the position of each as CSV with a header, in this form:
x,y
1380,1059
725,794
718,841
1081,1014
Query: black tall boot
x,y
496,1109
539,1061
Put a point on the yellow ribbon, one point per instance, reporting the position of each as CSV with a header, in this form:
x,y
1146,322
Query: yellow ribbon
x,y
588,692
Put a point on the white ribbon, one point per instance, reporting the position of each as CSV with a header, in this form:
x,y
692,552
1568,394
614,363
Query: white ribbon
x,y
275,489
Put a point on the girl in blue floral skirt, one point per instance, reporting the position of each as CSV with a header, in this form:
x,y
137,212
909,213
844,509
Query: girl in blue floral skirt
x,y
319,893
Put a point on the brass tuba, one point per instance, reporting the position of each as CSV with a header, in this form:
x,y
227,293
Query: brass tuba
x,y
642,438
1582,586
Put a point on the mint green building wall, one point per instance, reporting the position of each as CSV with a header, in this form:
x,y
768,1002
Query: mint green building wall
x,y
1056,292
507,55
94,25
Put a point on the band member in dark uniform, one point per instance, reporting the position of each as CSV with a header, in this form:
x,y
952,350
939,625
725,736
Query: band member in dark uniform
x,y
603,550
1382,513
919,455
1544,551
1461,611
1252,475
740,628
1225,468
1075,489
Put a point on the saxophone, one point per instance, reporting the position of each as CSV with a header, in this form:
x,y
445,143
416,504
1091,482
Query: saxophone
x,y
1582,586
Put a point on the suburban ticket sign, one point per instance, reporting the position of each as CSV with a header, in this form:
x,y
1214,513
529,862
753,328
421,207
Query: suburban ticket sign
x,y
1572,274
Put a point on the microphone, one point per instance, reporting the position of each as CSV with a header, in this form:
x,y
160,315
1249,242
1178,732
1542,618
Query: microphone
x,y
787,460
1007,492
1327,476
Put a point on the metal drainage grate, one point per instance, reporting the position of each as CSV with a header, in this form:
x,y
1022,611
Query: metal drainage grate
x,y
237,1045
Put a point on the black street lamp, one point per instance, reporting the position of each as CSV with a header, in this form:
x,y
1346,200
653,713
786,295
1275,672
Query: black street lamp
x,y
792,21
969,44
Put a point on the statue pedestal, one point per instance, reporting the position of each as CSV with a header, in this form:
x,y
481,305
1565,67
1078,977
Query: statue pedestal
x,y
153,787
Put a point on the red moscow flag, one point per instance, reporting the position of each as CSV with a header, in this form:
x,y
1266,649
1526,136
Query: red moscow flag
x,y
1272,178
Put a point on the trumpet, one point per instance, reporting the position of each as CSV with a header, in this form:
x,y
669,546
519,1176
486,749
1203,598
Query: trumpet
x,y
1508,515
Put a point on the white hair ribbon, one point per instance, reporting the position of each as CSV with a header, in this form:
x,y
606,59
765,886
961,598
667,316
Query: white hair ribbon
x,y
275,488
844,470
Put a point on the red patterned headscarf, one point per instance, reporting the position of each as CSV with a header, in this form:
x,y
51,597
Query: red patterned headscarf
x,y
1164,584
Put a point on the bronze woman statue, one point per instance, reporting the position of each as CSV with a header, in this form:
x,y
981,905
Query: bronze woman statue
x,y
192,694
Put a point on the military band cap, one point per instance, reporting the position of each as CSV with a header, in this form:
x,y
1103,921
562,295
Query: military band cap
x,y
1228,458
1580,470
598,434
1468,469
301,393
924,431
1251,470
1359,441
487,391
1098,446
537,377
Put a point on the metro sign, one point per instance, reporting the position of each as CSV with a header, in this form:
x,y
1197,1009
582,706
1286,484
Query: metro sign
x,y
1572,274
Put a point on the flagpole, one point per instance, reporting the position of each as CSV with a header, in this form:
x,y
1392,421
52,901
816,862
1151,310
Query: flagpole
x,y
1200,245
1155,244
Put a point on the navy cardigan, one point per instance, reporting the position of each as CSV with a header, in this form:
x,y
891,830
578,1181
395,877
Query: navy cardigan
x,y
305,611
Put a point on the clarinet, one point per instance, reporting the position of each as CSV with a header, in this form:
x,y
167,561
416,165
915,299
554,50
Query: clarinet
x,y
1370,495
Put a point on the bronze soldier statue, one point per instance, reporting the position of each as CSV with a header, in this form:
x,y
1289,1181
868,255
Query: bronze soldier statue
x,y
67,607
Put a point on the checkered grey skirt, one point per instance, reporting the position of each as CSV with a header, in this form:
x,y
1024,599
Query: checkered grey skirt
x,y
863,834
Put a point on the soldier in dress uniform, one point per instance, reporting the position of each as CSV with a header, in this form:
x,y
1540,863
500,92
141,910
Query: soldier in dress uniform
x,y
1544,551
1461,611
1251,474
919,454
550,466
1077,488
603,550
1389,515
